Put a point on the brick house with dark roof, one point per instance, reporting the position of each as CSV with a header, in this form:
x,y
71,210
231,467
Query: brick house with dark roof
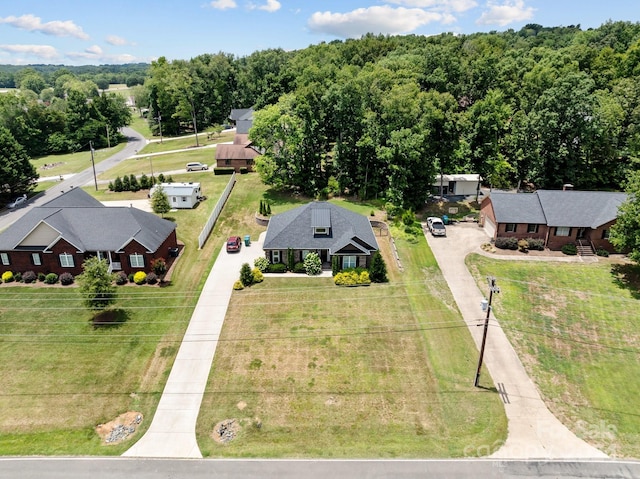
x,y
58,236
239,154
558,217
324,228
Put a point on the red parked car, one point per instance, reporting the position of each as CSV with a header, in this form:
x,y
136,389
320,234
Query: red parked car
x,y
233,244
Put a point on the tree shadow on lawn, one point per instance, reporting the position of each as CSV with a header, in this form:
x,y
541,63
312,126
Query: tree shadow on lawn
x,y
627,276
110,318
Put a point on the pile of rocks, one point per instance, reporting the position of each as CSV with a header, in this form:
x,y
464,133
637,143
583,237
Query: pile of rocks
x,y
226,430
122,431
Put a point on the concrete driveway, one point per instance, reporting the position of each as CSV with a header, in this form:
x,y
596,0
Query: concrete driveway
x,y
172,433
533,431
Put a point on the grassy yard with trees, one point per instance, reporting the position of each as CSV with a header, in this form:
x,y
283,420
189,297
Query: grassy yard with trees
x,y
576,329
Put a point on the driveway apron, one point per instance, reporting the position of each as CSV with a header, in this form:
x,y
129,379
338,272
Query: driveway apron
x,y
534,432
172,433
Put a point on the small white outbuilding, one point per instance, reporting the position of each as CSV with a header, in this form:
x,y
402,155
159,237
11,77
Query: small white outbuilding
x,y
181,195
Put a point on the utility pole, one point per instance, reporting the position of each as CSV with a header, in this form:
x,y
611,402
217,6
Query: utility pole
x,y
159,118
108,139
93,164
486,305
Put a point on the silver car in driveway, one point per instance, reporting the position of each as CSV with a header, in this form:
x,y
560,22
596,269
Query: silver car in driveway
x,y
436,226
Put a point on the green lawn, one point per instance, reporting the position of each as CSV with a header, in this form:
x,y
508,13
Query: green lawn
x,y
188,141
54,165
313,370
576,328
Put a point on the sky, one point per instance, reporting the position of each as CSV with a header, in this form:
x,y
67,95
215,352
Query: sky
x,y
83,32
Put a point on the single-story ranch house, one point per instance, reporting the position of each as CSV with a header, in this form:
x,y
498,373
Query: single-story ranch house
x,y
325,229
239,154
180,195
559,217
59,235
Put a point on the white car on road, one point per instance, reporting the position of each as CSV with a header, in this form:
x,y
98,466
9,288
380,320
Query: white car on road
x,y
436,226
18,201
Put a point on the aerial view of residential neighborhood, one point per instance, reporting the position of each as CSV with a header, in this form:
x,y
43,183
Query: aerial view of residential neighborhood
x,y
395,244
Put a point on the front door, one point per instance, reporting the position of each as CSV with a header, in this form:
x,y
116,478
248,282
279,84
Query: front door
x,y
580,233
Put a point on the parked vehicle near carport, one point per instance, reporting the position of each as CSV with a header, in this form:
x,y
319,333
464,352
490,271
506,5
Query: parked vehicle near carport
x,y
436,226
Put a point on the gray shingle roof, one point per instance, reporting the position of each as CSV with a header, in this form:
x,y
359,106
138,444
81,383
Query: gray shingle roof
x,y
90,228
588,209
294,229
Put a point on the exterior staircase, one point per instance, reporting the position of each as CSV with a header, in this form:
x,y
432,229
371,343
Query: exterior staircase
x,y
584,248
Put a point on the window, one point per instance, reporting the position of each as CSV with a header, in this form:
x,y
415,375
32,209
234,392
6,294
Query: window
x,y
66,260
136,260
4,259
35,259
249,162
605,234
349,262
510,228
531,228
275,257
174,199
227,162
305,252
184,199
321,231
563,231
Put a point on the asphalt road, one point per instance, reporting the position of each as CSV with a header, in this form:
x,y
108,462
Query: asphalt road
x,y
102,468
135,142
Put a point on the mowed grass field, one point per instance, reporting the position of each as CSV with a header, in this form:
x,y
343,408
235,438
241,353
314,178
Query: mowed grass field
x,y
576,328
61,377
312,370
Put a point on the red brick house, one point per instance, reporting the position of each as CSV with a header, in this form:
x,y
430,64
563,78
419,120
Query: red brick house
x,y
239,154
559,217
58,236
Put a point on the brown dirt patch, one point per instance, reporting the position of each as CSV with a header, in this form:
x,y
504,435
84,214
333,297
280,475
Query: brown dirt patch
x,y
120,429
226,431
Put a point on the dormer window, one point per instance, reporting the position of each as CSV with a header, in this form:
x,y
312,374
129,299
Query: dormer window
x,y
321,231
321,221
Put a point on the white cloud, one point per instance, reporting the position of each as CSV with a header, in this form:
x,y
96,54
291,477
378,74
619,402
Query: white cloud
x,y
94,50
56,28
271,6
223,4
440,5
383,19
95,55
116,40
509,11
46,52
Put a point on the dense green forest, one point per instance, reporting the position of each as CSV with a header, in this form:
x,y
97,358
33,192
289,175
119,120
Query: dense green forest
x,y
380,116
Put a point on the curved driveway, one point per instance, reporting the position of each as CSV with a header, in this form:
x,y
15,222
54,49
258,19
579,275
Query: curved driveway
x,y
533,431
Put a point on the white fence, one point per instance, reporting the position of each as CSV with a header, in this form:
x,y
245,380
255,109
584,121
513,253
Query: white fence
x,y
206,231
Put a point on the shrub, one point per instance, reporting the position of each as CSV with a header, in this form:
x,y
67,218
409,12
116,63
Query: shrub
x,y
159,267
372,213
276,268
261,263
570,249
51,278
66,279
536,244
29,277
7,277
18,277
238,285
299,268
152,278
291,263
346,278
312,264
507,243
244,170
246,276
408,217
378,269
41,277
130,278
258,277
140,277
363,278
335,265
223,170
523,245
602,252
121,278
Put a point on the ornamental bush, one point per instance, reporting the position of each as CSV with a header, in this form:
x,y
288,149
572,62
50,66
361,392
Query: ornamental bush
x,y
536,244
602,252
299,268
41,277
7,277
121,278
312,264
258,277
238,285
261,263
246,275
378,269
523,245
276,268
51,278
152,278
66,279
507,243
29,277
18,277
570,249
346,278
140,277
